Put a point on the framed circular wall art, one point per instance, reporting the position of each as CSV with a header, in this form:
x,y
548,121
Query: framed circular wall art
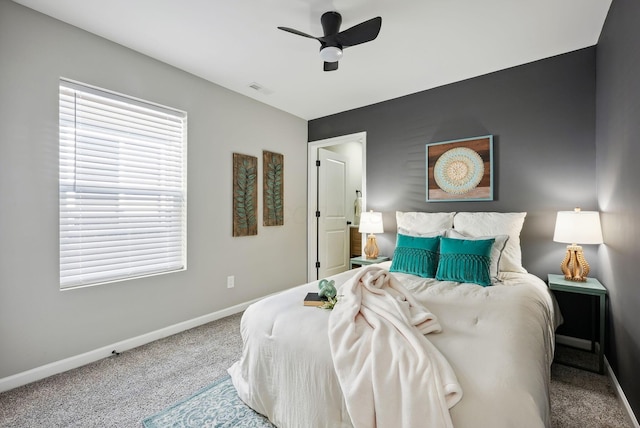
x,y
460,170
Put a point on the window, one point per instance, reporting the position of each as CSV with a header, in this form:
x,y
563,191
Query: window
x,y
122,187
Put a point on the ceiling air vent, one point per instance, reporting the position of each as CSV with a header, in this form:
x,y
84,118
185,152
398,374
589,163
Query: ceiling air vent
x,y
258,87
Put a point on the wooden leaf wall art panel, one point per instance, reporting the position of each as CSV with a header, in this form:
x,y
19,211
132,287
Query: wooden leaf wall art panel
x,y
272,189
245,195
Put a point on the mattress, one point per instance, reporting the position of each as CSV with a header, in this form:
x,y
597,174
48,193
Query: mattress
x,y
499,340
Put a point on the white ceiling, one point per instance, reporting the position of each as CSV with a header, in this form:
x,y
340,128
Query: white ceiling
x,y
422,44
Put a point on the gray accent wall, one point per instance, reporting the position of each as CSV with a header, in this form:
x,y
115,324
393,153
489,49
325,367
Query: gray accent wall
x,y
566,133
542,117
39,324
618,178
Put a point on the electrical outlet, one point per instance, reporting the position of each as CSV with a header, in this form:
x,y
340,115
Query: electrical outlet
x,y
231,281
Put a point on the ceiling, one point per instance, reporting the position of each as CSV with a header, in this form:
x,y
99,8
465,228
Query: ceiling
x,y
422,44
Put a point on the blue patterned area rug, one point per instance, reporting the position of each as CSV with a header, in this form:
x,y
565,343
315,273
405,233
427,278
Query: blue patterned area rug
x,y
217,405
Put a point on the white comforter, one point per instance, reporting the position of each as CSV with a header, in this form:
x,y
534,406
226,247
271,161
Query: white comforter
x,y
498,340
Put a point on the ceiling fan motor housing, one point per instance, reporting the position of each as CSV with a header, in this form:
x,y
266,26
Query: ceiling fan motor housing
x,y
331,22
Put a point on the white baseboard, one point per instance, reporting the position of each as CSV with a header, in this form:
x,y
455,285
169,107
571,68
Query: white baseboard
x,y
76,361
620,393
574,342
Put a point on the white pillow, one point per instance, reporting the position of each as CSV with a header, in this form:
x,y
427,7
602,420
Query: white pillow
x,y
496,249
423,224
493,224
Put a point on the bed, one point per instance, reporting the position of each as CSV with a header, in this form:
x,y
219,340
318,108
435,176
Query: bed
x,y
498,338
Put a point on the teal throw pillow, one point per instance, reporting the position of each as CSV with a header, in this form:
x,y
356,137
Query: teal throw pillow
x,y
416,255
464,260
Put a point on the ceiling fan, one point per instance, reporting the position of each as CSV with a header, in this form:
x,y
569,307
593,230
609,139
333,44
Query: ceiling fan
x,y
334,40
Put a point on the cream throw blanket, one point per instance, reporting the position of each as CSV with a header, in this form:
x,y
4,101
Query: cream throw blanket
x,y
390,374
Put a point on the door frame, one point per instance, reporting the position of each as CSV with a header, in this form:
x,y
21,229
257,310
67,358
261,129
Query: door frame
x,y
312,190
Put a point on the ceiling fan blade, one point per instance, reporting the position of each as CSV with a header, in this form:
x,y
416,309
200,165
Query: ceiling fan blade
x,y
299,33
361,33
330,66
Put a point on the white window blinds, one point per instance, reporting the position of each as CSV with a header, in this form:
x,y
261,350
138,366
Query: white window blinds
x,y
122,187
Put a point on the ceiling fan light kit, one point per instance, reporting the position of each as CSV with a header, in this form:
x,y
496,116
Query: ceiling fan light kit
x,y
334,40
331,54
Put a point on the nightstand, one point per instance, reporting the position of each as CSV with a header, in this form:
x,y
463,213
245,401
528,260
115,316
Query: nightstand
x,y
591,287
363,260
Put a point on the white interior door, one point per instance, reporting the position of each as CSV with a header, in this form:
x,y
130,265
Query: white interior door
x,y
333,239
313,184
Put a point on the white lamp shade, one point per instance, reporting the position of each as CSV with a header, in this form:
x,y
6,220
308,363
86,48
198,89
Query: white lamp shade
x,y
578,227
371,222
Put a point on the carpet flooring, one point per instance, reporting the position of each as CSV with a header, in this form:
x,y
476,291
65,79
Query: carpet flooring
x,y
123,390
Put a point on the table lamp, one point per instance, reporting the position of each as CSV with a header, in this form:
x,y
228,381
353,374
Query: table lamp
x,y
371,222
577,227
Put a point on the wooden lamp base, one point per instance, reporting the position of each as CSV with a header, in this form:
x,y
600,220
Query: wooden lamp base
x,y
574,266
371,249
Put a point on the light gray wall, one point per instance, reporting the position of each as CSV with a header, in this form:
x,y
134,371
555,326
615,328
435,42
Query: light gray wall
x,y
39,324
617,155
